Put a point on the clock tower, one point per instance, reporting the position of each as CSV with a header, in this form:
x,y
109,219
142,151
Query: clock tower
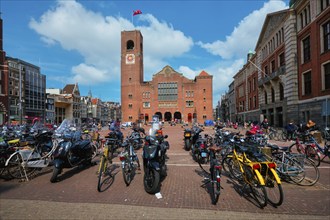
x,y
131,74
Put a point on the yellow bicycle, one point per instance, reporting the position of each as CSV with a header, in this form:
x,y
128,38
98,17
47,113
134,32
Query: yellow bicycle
x,y
244,170
268,171
111,144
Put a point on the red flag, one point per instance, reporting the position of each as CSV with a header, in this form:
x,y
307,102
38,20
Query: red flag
x,y
137,12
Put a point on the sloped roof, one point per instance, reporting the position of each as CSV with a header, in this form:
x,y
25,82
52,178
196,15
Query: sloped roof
x,y
203,73
71,89
68,89
95,101
271,23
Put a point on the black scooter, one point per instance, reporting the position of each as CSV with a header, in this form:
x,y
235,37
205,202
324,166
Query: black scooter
x,y
71,152
154,162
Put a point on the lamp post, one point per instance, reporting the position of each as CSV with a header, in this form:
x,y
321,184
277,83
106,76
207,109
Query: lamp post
x,y
20,94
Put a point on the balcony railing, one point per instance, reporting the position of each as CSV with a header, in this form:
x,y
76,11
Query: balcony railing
x,y
63,100
272,76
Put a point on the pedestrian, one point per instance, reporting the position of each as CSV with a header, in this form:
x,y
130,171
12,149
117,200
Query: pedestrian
x,y
265,126
290,130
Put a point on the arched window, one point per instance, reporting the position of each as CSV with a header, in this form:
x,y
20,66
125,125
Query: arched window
x,y
130,45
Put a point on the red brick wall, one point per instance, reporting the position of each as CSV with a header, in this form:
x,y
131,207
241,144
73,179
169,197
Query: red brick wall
x,y
133,87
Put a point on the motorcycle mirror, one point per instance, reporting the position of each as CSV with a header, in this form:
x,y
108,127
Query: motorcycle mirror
x,y
166,136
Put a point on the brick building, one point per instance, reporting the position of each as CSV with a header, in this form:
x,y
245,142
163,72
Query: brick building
x,y
169,94
313,60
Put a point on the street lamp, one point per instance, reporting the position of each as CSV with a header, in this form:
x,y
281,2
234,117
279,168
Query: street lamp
x,y
20,94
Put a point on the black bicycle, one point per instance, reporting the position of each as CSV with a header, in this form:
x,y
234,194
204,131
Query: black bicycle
x,y
214,172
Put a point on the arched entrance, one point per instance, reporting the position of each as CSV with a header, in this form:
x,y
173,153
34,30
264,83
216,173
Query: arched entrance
x,y
189,117
159,115
168,116
177,116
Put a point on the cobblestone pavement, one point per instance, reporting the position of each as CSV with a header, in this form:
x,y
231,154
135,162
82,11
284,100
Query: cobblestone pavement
x,y
75,196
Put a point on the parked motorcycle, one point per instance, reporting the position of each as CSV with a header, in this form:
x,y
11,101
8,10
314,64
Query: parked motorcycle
x,y
71,151
196,142
154,161
187,134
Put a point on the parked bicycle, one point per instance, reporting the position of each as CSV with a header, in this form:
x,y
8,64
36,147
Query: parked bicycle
x,y
315,151
127,158
246,172
214,173
294,167
111,144
268,171
308,149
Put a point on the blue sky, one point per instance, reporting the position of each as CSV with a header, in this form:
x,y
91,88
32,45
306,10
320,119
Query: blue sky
x,y
79,40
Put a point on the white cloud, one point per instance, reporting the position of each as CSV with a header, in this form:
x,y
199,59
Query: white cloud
x,y
245,35
187,72
97,39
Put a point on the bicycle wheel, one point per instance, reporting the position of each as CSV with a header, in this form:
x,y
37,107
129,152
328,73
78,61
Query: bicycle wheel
x,y
126,170
311,173
102,173
15,168
274,190
215,190
312,153
294,168
232,167
258,191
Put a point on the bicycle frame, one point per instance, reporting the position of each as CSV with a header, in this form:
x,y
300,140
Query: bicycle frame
x,y
320,150
243,160
32,158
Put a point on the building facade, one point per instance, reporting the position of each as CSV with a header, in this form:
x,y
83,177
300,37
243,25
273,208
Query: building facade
x,y
169,94
4,106
26,91
246,92
313,60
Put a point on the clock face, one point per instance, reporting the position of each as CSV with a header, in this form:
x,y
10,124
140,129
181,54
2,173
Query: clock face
x,y
130,58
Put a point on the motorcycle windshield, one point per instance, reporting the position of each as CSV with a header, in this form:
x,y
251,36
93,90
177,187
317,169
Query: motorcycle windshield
x,y
65,126
150,151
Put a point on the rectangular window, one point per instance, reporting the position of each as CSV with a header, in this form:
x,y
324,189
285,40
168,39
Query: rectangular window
x,y
307,83
167,91
273,66
306,49
146,104
282,59
327,76
189,104
266,70
326,36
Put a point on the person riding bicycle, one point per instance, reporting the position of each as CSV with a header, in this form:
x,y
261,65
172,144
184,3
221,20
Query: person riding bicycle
x,y
290,129
115,126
